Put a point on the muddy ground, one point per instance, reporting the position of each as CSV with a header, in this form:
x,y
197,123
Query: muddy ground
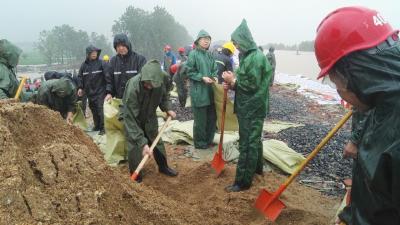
x,y
53,173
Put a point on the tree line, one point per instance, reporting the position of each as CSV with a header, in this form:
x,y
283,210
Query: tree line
x,y
66,45
149,32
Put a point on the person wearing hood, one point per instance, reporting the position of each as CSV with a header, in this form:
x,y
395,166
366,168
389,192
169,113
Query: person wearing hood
x,y
92,83
143,94
169,59
123,66
362,59
59,95
9,56
251,85
223,60
202,72
271,59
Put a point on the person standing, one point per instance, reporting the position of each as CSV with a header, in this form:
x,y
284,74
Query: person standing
x,y
202,72
251,85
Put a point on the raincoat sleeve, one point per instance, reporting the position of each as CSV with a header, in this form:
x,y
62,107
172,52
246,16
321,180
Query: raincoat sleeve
x,y
4,82
142,62
357,126
249,75
131,114
165,104
192,71
214,69
109,76
71,101
80,78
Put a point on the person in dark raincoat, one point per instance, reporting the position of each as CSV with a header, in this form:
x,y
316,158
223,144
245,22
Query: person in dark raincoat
x,y
202,72
143,94
223,60
59,95
9,56
362,59
272,61
92,82
123,66
251,87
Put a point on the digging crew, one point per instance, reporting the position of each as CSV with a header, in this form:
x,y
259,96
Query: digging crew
x,y
251,84
144,93
92,82
9,56
272,61
362,59
223,60
123,66
202,71
59,95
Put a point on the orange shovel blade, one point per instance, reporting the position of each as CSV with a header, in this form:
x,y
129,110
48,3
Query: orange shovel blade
x,y
218,163
270,207
134,176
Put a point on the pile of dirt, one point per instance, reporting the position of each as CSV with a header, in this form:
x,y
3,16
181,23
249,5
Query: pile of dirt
x,y
53,173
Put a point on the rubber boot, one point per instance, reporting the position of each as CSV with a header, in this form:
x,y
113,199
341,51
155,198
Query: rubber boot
x,y
163,165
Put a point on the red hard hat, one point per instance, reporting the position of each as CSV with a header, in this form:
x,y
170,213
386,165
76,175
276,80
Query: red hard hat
x,y
167,48
346,30
174,68
181,49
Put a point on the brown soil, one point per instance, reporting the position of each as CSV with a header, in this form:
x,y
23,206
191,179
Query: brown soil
x,y
52,173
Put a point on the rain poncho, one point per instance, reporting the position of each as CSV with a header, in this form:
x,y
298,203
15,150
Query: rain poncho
x,y
139,112
200,64
9,55
251,102
374,76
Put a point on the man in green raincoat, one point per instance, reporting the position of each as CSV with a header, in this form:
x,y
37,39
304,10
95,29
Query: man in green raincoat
x,y
9,55
251,87
202,72
143,94
59,95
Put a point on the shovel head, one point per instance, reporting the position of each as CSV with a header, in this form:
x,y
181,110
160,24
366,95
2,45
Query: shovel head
x,y
218,163
269,206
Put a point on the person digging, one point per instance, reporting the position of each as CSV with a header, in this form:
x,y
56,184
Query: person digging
x,y
143,94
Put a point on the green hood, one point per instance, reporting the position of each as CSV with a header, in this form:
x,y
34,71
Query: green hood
x,y
242,36
202,34
62,87
9,53
152,72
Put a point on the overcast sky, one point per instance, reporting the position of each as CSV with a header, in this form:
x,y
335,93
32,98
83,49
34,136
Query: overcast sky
x,y
286,21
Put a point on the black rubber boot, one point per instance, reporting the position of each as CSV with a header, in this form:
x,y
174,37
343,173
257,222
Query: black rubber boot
x,y
236,187
163,165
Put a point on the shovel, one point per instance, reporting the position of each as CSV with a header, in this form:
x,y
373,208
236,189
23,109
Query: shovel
x,y
146,157
218,162
19,90
269,203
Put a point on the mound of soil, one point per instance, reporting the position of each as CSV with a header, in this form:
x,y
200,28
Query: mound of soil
x,y
53,173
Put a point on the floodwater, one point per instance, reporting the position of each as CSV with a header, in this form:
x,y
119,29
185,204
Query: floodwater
x,y
303,63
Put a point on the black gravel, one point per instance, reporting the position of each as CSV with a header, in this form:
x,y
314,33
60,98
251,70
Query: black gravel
x,y
182,114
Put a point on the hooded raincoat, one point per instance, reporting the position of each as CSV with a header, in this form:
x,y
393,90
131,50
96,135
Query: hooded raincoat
x,y
202,64
9,55
122,67
374,76
251,104
139,112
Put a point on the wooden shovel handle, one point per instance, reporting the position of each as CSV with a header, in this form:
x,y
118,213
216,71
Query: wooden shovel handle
x,y
146,157
19,90
311,155
221,139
